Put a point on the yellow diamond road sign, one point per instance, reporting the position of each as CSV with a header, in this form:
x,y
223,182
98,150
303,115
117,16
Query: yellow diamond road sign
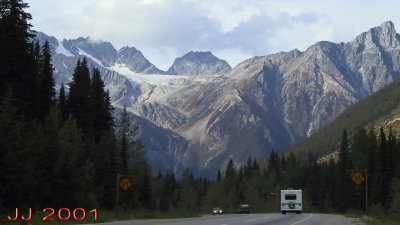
x,y
125,184
357,178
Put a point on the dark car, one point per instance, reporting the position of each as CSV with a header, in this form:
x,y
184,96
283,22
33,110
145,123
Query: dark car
x,y
217,210
243,208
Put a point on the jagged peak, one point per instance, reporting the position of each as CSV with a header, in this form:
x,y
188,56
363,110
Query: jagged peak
x,y
198,53
385,35
386,29
388,25
125,48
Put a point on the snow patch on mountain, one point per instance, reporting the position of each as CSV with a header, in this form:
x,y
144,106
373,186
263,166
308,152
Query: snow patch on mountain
x,y
81,52
61,50
154,79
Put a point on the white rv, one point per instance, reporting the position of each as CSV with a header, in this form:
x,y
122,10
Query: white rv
x,y
291,201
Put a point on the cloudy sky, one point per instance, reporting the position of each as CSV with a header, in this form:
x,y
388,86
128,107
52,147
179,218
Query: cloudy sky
x,y
233,30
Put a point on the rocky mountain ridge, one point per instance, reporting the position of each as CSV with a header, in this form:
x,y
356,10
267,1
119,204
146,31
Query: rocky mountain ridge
x,y
104,54
264,103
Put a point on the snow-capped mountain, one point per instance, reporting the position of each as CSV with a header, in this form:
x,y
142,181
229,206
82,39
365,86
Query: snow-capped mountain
x,y
264,103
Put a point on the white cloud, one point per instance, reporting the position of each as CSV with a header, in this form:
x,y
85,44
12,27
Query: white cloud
x,y
230,14
232,29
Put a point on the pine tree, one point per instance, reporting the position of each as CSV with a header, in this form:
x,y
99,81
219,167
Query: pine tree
x,y
79,96
17,62
256,166
105,167
189,194
126,139
230,170
386,167
219,175
46,82
274,166
358,147
62,103
100,106
392,156
343,184
71,146
50,152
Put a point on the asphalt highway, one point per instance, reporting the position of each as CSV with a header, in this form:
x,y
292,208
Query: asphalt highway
x,y
249,219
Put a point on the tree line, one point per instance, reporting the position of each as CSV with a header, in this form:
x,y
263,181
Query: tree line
x,y
327,184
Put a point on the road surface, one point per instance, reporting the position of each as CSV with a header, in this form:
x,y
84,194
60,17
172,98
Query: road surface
x,y
250,219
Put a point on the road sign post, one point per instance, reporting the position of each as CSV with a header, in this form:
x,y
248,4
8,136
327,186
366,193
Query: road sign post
x,y
117,196
366,191
358,178
125,184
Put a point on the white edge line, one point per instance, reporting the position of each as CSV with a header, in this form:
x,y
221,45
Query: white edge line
x,y
302,220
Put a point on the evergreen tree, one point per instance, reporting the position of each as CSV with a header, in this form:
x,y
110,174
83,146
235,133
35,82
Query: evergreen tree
x,y
274,166
169,199
219,175
100,106
230,170
343,185
67,184
46,151
79,96
62,102
189,199
256,166
17,62
386,167
46,82
141,170
373,175
105,167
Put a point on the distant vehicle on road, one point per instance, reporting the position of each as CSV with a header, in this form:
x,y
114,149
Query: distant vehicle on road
x,y
243,208
291,201
217,210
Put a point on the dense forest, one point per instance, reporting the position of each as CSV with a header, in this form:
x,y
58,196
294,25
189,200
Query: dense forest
x,y
64,148
57,150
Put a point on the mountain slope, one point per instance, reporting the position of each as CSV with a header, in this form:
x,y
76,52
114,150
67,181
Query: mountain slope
x,y
264,103
380,109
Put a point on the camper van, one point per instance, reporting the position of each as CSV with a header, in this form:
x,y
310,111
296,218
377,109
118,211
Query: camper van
x,y
291,201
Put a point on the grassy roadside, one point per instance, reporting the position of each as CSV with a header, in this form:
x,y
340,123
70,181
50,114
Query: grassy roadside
x,y
103,216
383,220
377,216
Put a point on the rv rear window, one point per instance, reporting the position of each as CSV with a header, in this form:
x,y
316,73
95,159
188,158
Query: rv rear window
x,y
290,197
